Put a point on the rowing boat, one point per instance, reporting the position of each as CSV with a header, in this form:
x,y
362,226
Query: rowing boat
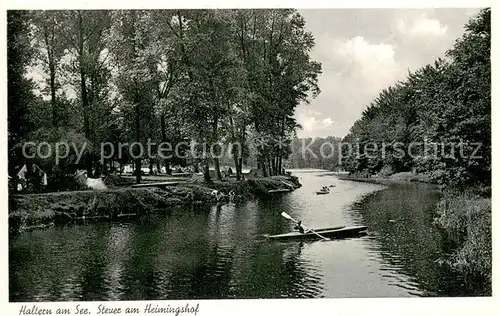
x,y
322,192
330,232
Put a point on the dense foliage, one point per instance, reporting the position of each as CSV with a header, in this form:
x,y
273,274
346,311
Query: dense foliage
x,y
466,217
316,153
210,76
19,88
446,105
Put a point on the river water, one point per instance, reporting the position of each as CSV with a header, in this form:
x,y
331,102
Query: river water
x,y
220,253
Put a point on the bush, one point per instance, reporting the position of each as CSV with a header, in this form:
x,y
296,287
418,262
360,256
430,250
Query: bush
x,y
386,171
466,217
60,181
116,180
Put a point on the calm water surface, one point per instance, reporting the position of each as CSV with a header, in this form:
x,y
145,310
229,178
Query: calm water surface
x,y
219,252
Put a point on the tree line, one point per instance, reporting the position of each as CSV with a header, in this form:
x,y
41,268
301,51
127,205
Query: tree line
x,y
446,104
212,76
315,153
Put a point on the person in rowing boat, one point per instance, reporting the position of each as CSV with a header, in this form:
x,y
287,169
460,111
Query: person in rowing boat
x,y
299,227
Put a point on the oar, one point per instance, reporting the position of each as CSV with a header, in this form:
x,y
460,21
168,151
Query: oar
x,y
285,215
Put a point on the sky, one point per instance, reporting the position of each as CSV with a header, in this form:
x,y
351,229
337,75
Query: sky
x,y
363,51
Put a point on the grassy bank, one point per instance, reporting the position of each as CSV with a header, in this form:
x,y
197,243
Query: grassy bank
x,y
466,217
33,211
400,176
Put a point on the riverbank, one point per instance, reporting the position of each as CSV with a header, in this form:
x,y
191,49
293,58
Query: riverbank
x,y
465,216
36,211
397,177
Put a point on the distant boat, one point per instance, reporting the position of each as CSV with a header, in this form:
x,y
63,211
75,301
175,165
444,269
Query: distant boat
x,y
323,191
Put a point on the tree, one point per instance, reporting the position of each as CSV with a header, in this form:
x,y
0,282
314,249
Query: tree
x,y
49,28
275,50
19,88
130,40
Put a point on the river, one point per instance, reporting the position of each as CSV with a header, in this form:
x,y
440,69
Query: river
x,y
220,253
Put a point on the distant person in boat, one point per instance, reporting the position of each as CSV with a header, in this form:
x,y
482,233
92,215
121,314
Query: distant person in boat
x,y
299,227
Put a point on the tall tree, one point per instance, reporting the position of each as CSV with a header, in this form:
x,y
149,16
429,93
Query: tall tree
x,y
83,36
49,27
19,88
281,75
130,42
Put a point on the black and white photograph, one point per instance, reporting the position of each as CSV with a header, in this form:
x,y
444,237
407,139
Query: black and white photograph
x,y
173,154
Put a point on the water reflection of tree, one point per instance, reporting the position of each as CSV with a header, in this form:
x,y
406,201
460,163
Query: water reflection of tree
x,y
193,253
279,270
160,256
304,276
118,251
401,217
272,270
46,265
230,263
94,262
269,219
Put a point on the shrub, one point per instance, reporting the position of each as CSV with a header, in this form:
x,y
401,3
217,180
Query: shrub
x,y
466,217
386,171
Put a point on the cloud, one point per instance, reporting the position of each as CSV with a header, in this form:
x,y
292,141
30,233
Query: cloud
x,y
355,71
327,122
311,122
365,64
421,27
363,51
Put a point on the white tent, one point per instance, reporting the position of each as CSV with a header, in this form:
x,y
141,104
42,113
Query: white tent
x,y
94,184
